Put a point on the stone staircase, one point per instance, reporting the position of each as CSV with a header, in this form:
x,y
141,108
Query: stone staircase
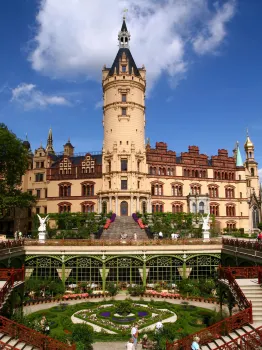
x,y
124,224
7,342
253,292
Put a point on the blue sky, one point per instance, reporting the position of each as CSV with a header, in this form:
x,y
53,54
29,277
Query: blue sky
x,y
203,62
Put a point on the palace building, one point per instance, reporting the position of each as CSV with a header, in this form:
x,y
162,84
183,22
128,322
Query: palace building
x,y
131,175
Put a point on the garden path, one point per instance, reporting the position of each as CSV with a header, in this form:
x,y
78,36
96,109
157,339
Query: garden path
x,y
113,346
33,308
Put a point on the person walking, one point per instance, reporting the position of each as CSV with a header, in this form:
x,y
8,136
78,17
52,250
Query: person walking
x,y
195,344
130,344
134,334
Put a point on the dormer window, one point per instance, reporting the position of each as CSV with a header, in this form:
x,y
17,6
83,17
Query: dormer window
x,y
124,69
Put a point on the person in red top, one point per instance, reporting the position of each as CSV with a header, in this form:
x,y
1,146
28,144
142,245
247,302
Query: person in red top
x,y
259,237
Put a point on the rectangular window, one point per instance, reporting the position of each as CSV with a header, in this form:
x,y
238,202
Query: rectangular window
x,y
37,165
138,184
124,98
46,193
123,110
45,210
30,192
42,164
123,69
38,194
39,177
123,184
240,194
37,210
123,164
109,184
29,213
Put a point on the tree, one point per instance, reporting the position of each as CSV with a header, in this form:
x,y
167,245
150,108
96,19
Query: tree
x,y
13,165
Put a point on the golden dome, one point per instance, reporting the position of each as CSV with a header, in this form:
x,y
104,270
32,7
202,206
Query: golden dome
x,y
248,143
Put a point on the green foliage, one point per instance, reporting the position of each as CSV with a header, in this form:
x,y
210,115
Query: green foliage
x,y
124,307
51,287
259,225
73,225
136,290
83,334
13,165
112,288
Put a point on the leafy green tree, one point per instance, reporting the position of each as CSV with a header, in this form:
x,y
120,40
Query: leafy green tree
x,y
13,165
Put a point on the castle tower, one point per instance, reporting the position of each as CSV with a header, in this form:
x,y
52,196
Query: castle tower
x,y
124,155
49,144
253,188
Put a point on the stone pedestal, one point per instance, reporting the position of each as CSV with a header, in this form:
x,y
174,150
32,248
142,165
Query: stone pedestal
x,y
42,236
206,235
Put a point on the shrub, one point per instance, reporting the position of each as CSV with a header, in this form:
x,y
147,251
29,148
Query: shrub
x,y
124,307
83,334
136,290
112,289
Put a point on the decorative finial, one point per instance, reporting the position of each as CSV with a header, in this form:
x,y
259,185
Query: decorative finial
x,y
26,136
247,132
124,13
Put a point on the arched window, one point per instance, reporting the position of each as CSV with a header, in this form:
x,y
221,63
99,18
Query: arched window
x,y
201,207
88,189
177,190
64,189
144,207
157,207
252,172
214,209
213,191
195,189
88,207
230,210
157,189
64,207
231,225
177,207
229,192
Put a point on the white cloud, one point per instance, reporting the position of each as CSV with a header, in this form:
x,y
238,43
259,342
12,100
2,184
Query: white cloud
x,y
99,104
215,31
29,97
76,38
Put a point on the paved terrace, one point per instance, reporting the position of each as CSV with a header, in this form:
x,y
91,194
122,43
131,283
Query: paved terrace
x,y
117,247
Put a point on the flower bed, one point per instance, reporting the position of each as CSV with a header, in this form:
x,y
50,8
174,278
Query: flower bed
x,y
153,293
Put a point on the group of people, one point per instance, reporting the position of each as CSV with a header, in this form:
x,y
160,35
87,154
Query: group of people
x,y
145,342
18,235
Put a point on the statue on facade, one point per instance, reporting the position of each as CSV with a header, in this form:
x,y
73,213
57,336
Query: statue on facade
x,y
206,225
42,228
42,221
206,228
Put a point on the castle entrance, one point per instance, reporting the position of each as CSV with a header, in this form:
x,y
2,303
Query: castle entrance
x,y
124,208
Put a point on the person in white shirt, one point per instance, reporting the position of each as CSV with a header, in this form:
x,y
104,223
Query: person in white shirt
x,y
130,344
160,235
134,334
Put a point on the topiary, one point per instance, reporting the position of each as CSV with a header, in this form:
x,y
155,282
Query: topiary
x,y
83,334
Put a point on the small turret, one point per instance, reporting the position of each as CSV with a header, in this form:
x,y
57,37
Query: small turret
x,y
68,149
239,161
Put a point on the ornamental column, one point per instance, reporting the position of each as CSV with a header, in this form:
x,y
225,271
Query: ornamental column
x,y
110,203
116,211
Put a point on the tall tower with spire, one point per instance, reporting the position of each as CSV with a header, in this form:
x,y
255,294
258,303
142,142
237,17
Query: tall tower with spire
x,y
124,154
49,144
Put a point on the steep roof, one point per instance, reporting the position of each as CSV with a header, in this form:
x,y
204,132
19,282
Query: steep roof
x,y
131,62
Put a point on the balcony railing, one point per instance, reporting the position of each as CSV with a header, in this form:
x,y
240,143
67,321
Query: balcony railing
x,y
246,244
12,244
225,326
10,276
30,336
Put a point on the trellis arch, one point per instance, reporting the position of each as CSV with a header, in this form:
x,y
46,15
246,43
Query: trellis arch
x,y
43,267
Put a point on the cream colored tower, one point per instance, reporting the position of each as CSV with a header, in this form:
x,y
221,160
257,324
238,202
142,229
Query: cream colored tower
x,y
124,155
